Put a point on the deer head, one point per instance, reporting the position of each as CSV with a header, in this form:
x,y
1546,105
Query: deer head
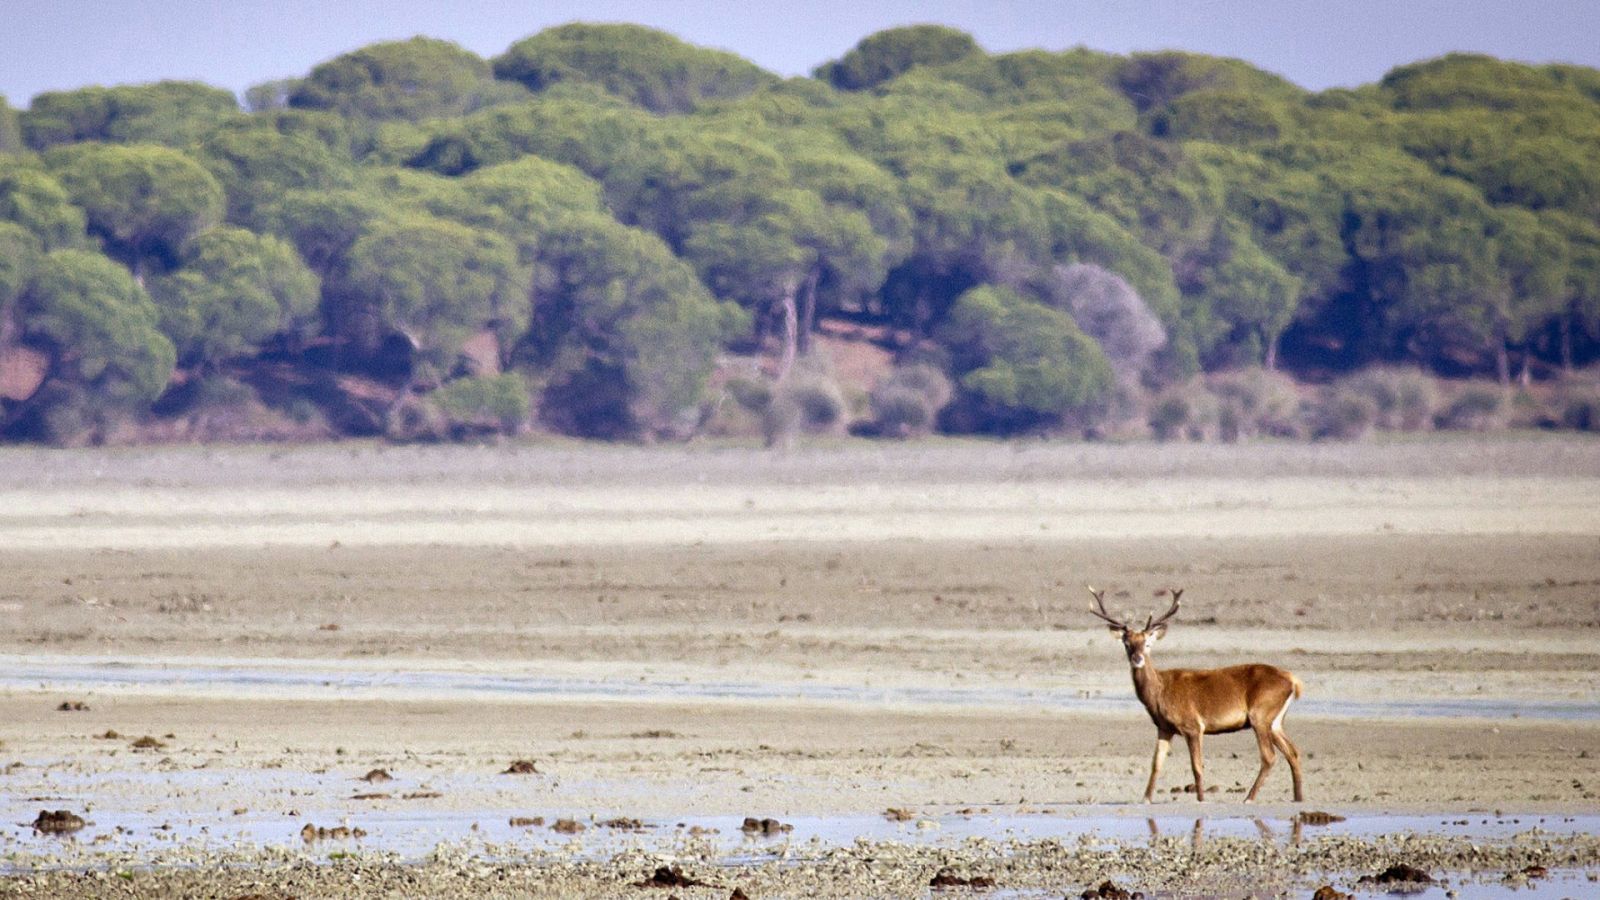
x,y
1133,640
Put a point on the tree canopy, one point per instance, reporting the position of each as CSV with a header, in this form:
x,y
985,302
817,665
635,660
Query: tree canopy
x,y
608,231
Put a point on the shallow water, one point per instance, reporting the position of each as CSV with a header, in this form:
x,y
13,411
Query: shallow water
x,y
314,682
413,834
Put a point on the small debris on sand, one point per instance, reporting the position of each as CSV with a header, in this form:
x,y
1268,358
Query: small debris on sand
x,y
767,826
148,743
521,767
377,775
947,878
622,823
1329,892
670,877
111,734
378,796
896,814
1108,890
421,795
60,821
73,706
525,822
339,832
567,826
1399,873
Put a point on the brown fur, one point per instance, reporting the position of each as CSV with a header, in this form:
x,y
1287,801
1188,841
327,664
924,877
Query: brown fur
x,y
1198,702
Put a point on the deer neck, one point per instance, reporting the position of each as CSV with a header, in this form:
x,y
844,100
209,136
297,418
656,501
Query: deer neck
x,y
1148,684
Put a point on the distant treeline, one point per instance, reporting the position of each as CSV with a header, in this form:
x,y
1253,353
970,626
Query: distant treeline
x,y
607,232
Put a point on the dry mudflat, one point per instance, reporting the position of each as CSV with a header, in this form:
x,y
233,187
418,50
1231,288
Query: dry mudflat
x,y
883,648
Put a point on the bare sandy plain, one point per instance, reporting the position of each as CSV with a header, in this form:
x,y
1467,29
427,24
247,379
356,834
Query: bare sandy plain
x,y
885,648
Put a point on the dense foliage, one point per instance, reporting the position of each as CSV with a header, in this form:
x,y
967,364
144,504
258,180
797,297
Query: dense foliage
x,y
609,232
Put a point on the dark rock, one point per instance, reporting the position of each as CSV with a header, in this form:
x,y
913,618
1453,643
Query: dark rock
x,y
60,821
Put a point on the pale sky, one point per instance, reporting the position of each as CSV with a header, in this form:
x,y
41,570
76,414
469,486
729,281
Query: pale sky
x,y
61,44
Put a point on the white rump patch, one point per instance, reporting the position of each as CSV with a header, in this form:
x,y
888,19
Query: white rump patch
x,y
1277,721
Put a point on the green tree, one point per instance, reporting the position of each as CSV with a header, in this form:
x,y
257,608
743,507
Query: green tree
x,y
41,205
10,129
882,56
644,66
1238,300
1153,81
323,225
1473,80
174,113
1080,233
420,78
625,332
433,281
257,163
1530,290
19,259
1580,314
270,95
99,327
521,200
1022,365
1228,117
234,291
145,202
971,223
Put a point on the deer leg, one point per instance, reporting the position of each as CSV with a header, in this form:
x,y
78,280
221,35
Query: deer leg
x,y
1292,754
1193,740
1163,744
1264,741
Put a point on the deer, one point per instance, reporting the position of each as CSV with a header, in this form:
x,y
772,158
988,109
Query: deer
x,y
1198,702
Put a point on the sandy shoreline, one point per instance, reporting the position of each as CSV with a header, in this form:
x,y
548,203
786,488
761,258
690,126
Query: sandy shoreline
x,y
795,649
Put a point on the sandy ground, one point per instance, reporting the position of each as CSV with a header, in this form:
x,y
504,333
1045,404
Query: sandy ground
x,y
708,634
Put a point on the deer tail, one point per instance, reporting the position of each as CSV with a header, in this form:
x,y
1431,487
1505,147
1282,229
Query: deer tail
x,y
1296,683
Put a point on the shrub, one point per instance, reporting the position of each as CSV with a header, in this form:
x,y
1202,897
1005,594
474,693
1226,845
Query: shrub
x,y
819,400
1476,407
1342,414
415,419
907,402
1184,412
486,403
901,412
1256,401
806,401
754,394
1577,405
1405,398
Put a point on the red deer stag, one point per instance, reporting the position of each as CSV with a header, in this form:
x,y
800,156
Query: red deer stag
x,y
1198,702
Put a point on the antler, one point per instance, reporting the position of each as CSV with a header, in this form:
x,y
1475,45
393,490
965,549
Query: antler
x,y
1153,622
1099,608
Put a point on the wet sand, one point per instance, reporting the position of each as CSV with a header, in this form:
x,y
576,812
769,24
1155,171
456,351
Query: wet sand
x,y
696,636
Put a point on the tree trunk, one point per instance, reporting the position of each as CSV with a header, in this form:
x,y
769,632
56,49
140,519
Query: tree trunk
x,y
1566,343
1271,361
791,330
1525,373
1502,364
808,312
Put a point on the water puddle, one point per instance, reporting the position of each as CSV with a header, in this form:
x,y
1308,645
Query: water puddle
x,y
310,681
415,835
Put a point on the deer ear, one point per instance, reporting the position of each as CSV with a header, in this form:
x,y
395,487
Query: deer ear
x,y
1157,632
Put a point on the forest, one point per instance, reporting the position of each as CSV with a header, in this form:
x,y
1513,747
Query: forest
x,y
607,232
